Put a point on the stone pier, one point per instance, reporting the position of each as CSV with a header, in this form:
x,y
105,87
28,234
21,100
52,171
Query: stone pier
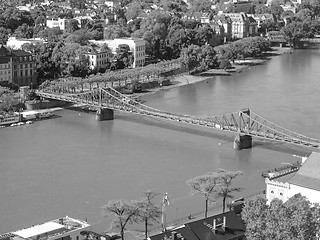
x,y
104,114
242,142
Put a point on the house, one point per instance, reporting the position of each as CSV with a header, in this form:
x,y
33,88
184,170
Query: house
x,y
223,226
97,59
136,45
226,24
262,19
57,22
62,228
220,24
17,67
305,181
242,25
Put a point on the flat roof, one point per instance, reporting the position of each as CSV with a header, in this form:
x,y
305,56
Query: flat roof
x,y
39,229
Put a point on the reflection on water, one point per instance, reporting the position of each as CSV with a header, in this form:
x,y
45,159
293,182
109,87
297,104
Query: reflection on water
x,y
73,165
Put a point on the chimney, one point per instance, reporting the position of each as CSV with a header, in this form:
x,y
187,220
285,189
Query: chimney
x,y
224,226
214,229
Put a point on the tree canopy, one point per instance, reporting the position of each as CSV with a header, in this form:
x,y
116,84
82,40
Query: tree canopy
x,y
297,218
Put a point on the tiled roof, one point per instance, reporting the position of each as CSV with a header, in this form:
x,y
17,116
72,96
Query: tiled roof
x,y
4,52
20,53
308,175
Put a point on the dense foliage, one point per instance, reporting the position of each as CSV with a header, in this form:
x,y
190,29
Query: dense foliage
x,y
297,218
171,29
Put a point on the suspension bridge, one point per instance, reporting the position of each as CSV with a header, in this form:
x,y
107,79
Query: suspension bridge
x,y
245,123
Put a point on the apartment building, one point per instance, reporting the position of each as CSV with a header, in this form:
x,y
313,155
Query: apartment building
x,y
17,66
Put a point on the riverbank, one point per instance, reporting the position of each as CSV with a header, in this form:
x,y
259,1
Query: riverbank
x,y
237,67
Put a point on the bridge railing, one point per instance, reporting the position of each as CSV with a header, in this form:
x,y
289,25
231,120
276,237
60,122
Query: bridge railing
x,y
243,122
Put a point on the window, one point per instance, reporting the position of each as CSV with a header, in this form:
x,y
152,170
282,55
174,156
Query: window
x,y
272,191
26,65
14,66
30,65
21,73
26,72
15,73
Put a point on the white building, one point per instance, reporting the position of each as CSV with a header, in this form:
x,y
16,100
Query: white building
x,y
137,47
97,59
62,228
305,181
16,43
112,3
57,22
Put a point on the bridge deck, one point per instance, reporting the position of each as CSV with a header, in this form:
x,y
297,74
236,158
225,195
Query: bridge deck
x,y
243,122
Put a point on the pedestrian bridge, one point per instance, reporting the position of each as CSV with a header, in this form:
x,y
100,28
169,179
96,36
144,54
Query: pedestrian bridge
x,y
245,123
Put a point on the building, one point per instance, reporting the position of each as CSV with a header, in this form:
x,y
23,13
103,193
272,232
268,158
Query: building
x,y
5,64
24,68
262,19
65,228
57,22
224,226
242,25
97,59
112,3
17,67
137,47
220,24
305,181
83,20
16,43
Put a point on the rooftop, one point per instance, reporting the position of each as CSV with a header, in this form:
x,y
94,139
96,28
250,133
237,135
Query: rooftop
x,y
48,229
308,174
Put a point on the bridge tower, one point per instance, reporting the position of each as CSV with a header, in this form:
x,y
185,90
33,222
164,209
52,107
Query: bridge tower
x,y
103,113
243,141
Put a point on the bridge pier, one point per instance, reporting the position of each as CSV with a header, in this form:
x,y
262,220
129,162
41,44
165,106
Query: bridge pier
x,y
104,114
242,142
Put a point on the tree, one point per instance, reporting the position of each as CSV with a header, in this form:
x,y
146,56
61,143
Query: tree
x,y
261,8
24,31
134,9
225,188
124,211
148,211
297,218
124,56
72,25
189,57
8,100
4,35
205,186
276,9
50,34
254,215
295,31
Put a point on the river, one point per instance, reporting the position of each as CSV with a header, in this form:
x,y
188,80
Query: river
x,y
73,165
